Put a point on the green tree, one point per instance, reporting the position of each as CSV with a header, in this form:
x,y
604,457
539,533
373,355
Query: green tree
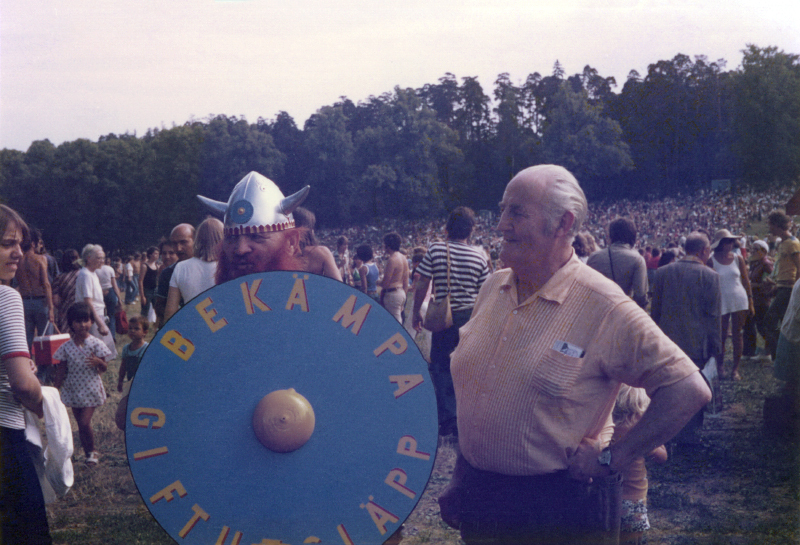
x,y
767,116
408,159
329,149
584,141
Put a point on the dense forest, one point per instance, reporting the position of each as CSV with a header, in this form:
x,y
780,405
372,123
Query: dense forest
x,y
415,153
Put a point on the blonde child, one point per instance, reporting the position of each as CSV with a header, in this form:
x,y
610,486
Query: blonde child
x,y
83,359
132,353
630,406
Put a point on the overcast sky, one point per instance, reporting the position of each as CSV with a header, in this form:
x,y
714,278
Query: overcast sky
x,y
84,68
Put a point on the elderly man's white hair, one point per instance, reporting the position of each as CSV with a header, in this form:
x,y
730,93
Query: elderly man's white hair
x,y
562,194
90,249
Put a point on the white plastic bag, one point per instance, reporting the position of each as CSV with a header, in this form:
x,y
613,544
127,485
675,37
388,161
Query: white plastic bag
x,y
54,464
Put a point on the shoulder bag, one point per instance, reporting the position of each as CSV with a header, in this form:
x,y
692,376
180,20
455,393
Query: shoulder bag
x,y
439,316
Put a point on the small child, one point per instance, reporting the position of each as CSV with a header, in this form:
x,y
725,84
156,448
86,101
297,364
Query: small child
x,y
83,359
132,353
631,405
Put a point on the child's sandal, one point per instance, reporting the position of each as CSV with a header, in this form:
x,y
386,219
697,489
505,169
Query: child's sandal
x,y
93,459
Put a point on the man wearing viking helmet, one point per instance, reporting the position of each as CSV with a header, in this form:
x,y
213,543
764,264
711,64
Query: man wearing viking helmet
x,y
260,233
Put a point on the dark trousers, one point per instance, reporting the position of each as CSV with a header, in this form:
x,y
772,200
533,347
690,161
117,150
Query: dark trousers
x,y
754,325
23,519
442,345
774,317
36,317
111,300
552,509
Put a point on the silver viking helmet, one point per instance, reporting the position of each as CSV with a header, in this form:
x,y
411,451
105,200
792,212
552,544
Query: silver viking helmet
x,y
256,205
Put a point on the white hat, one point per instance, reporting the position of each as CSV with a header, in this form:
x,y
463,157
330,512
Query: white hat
x,y
256,205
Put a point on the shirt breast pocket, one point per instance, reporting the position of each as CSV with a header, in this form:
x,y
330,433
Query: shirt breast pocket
x,y
556,373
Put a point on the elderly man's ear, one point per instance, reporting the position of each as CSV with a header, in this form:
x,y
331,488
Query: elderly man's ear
x,y
565,225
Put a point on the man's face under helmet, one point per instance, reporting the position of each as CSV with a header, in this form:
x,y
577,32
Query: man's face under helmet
x,y
258,226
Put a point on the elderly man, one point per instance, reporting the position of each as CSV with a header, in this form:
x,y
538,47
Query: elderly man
x,y
686,306
181,245
536,373
621,263
686,301
259,229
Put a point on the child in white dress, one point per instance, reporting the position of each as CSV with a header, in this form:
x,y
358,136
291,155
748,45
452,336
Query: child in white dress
x,y
83,359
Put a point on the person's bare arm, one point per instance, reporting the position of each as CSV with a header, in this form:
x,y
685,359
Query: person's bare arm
x,y
420,291
115,287
329,267
48,291
745,275
142,272
671,407
24,384
173,302
101,323
362,272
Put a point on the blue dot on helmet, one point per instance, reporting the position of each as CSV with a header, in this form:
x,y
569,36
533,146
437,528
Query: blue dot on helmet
x,y
241,211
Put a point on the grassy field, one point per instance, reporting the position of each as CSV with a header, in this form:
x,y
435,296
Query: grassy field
x,y
739,486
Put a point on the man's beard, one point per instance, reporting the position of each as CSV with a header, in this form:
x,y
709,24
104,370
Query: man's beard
x,y
281,262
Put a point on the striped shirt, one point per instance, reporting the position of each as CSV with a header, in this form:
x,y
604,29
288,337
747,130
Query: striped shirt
x,y
468,271
533,379
12,344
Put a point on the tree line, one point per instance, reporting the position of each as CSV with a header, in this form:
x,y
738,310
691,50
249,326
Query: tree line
x,y
415,153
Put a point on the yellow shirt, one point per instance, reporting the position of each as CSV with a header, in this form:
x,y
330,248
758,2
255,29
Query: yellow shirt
x,y
785,272
524,390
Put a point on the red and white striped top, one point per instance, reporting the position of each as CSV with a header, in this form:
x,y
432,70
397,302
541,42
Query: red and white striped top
x,y
12,344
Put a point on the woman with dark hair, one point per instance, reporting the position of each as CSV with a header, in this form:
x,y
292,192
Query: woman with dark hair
x,y
367,270
317,259
64,287
23,519
148,278
736,295
196,274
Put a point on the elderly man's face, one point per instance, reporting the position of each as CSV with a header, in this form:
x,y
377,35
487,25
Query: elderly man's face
x,y
184,243
523,224
247,254
95,260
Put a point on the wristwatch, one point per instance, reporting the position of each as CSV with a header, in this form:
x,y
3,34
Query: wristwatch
x,y
605,457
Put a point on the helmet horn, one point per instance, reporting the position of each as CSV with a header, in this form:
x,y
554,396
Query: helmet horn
x,y
215,207
291,202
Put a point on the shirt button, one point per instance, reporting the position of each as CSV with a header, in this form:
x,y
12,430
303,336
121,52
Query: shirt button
x,y
515,312
505,338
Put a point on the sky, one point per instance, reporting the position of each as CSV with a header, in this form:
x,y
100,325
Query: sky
x,y
74,69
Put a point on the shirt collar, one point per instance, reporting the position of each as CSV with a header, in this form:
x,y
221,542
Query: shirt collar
x,y
556,289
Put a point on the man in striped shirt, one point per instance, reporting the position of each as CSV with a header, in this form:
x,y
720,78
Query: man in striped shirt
x,y
536,374
468,270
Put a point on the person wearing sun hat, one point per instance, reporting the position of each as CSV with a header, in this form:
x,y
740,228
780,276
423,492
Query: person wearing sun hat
x,y
736,295
259,232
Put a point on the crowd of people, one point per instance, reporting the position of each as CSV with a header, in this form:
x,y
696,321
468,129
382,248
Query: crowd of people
x,y
525,323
